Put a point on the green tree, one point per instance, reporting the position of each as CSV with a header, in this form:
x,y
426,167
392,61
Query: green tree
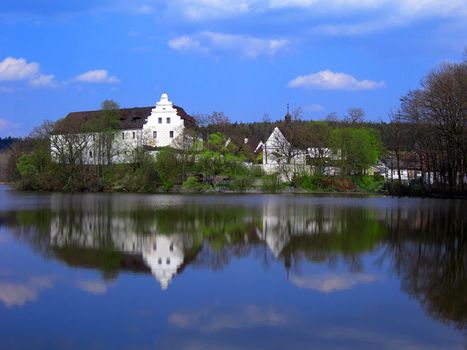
x,y
358,149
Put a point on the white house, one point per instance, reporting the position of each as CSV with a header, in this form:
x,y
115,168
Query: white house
x,y
279,155
140,127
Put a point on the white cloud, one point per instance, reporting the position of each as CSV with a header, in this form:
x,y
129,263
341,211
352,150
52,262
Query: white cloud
x,y
43,80
183,43
17,294
314,108
14,69
97,76
329,283
246,46
328,80
144,9
17,69
7,125
6,90
206,9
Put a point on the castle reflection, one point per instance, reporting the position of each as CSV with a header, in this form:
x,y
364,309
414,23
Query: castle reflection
x,y
423,244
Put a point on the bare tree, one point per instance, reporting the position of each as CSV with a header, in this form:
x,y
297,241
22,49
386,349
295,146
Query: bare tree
x,y
354,115
441,104
332,117
43,131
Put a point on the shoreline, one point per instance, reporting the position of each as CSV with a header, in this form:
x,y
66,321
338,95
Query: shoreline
x,y
253,192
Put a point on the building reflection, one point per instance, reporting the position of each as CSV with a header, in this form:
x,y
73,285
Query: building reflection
x,y
422,242
162,254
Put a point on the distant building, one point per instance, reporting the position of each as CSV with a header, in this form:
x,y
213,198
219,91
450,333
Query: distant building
x,y
280,155
141,127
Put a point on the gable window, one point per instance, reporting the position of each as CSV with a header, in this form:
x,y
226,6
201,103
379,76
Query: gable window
x,y
168,120
123,136
171,134
154,134
159,120
134,135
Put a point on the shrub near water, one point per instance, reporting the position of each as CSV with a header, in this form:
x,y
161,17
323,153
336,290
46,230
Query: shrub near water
x,y
310,182
193,185
369,183
272,183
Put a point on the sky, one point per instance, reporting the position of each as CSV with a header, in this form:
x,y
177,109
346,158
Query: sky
x,y
246,58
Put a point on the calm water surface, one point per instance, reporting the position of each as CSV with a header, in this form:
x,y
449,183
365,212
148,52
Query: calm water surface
x,y
100,271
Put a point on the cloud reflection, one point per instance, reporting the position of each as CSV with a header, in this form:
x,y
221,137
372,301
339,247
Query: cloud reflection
x,y
17,294
93,287
210,320
333,282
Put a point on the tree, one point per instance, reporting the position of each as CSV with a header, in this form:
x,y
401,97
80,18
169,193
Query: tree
x,y
109,105
354,115
319,152
358,149
43,131
188,145
332,117
441,104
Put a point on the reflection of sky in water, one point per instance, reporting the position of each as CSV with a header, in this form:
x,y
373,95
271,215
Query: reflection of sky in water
x,y
254,299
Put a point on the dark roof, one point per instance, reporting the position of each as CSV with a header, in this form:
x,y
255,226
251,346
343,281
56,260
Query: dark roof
x,y
130,118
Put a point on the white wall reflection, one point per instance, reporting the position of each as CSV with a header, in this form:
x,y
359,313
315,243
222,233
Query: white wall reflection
x,y
164,255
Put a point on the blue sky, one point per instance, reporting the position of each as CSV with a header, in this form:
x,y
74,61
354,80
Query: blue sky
x,y
246,58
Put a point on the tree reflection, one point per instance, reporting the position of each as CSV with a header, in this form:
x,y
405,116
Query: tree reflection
x,y
425,244
428,252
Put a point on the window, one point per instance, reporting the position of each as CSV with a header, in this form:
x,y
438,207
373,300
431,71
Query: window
x,y
167,261
154,134
123,136
134,135
159,120
168,120
90,154
171,134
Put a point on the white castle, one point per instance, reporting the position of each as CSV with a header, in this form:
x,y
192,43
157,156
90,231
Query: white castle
x,y
77,139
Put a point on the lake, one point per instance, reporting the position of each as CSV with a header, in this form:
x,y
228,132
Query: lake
x,y
131,271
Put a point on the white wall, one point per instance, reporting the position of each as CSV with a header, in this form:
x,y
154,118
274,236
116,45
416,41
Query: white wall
x,y
163,120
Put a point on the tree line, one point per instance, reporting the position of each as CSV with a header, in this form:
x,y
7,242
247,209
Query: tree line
x,y
429,129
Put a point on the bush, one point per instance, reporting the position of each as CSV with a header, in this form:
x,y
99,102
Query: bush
x,y
256,171
369,183
193,185
240,183
272,183
310,182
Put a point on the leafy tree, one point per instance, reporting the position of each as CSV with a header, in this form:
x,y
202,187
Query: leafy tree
x,y
358,149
